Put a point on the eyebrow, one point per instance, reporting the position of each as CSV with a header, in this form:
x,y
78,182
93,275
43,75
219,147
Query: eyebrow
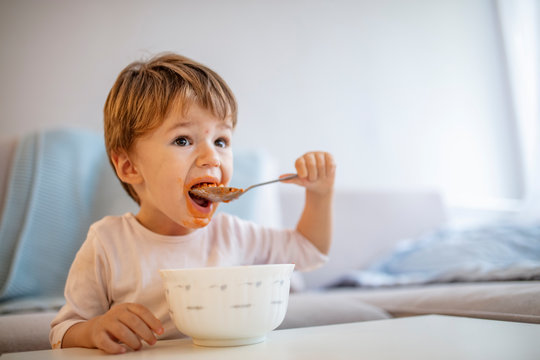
x,y
185,124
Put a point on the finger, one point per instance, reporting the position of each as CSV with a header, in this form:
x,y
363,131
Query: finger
x,y
110,346
146,315
125,335
321,164
301,168
138,327
330,165
287,175
311,164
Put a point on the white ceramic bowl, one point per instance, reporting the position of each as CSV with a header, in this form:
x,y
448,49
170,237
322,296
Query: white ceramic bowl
x,y
228,306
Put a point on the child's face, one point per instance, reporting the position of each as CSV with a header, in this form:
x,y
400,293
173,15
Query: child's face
x,y
185,150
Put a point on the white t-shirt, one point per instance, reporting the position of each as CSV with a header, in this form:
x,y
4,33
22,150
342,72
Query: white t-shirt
x,y
120,260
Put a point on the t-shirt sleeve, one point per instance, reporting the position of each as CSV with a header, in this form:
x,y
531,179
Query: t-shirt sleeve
x,y
85,291
265,245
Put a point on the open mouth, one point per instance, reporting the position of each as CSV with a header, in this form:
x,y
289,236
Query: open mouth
x,y
197,199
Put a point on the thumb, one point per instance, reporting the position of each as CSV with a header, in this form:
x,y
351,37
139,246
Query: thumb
x,y
290,178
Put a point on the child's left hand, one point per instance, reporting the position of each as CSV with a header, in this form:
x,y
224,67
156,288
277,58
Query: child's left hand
x,y
316,172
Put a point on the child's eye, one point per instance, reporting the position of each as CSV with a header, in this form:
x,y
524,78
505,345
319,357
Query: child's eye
x,y
221,142
182,141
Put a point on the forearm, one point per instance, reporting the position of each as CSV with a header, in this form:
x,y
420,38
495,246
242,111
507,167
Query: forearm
x,y
316,221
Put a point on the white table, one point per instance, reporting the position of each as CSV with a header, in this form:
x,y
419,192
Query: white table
x,y
422,337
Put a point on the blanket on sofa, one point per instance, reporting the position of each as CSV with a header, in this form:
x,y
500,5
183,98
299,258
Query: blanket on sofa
x,y
47,209
487,253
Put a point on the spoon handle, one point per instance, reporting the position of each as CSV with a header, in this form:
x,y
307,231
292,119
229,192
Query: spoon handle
x,y
272,181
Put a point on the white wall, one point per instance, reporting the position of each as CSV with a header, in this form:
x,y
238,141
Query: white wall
x,y
520,24
405,94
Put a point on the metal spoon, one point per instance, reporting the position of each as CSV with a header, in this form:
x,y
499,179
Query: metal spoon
x,y
226,193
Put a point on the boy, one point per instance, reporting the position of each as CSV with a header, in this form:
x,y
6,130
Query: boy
x,y
168,128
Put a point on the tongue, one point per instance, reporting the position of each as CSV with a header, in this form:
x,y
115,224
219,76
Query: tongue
x,y
200,201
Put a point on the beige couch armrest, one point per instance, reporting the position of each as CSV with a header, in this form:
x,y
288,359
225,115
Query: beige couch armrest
x,y
367,225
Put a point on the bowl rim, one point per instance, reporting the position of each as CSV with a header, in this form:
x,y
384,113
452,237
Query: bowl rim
x,y
227,267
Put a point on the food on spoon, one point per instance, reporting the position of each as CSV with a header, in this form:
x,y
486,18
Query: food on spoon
x,y
204,192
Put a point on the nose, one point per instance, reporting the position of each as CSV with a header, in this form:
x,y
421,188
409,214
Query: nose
x,y
208,157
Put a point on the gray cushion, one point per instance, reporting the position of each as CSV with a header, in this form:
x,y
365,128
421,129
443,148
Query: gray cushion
x,y
508,301
314,309
25,332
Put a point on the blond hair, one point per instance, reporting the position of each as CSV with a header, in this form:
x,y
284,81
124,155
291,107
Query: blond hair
x,y
144,93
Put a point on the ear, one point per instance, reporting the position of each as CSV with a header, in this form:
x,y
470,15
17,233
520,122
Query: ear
x,y
125,168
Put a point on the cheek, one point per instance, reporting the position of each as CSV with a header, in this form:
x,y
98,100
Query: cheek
x,y
160,174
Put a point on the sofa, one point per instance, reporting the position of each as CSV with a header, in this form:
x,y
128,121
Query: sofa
x,y
62,187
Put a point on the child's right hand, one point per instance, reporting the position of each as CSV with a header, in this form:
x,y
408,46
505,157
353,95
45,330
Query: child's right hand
x,y
125,323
